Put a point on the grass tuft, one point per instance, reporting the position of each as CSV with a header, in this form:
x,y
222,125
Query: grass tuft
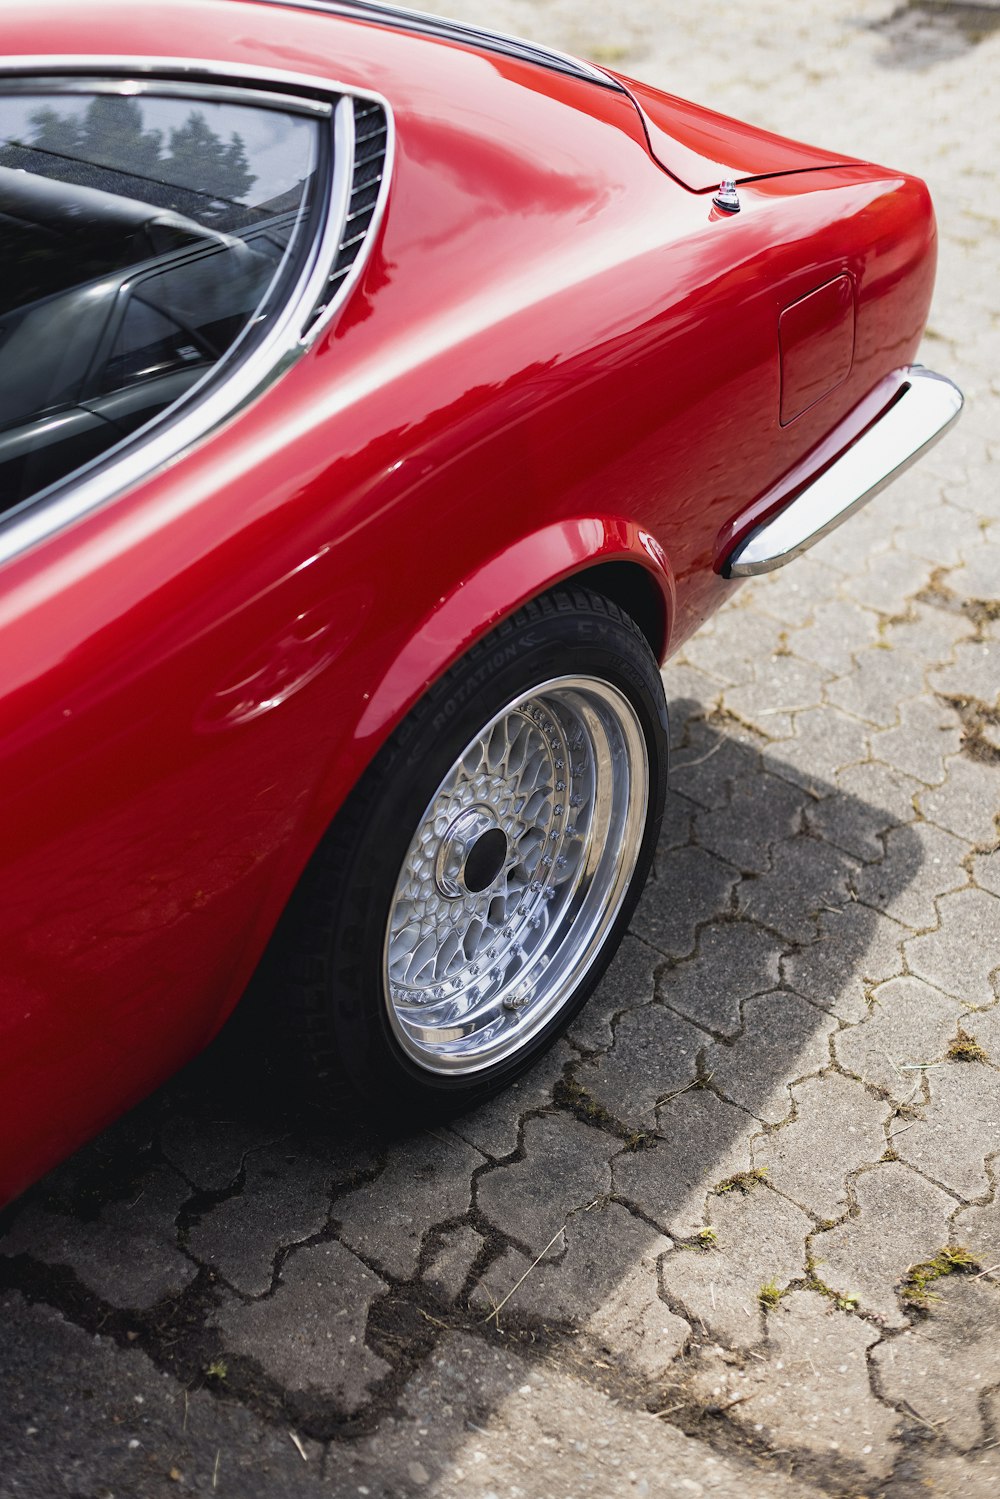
x,y
771,1293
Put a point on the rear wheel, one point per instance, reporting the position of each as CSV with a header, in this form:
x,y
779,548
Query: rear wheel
x,y
479,879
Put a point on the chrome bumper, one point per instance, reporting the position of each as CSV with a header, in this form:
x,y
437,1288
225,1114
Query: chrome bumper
x,y
919,408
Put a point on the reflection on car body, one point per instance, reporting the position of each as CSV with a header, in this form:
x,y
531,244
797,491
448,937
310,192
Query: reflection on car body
x,y
380,403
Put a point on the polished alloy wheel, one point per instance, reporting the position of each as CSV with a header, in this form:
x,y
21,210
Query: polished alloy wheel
x,y
516,872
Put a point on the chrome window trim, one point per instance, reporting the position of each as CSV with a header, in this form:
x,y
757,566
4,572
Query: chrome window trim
x,y
163,88
422,23
296,325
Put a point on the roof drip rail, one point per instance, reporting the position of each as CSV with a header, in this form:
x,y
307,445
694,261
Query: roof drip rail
x,y
456,31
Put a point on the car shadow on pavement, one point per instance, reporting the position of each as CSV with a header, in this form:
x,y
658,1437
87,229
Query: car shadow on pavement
x,y
620,1207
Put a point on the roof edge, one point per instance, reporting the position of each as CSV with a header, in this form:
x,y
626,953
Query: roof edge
x,y
423,23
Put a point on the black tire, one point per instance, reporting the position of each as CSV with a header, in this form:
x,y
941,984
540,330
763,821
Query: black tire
x,y
333,962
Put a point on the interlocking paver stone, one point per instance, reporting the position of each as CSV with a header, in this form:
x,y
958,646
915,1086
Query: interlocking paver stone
x,y
693,886
921,862
428,1180
761,1241
941,1366
902,1219
705,767
880,678
980,577
958,1129
791,594
311,1333
494,1127
974,670
451,1265
565,1166
975,1477
655,1054
806,878
762,809
531,1431
984,1026
964,953
931,632
285,1199
727,645
811,1392
604,1282
128,1255
967,803
978,1230
125,1428
837,1128
826,741
926,736
910,1024
888,582
783,1038
869,800
986,871
781,686
628,984
677,826
211,1157
734,960
856,950
703,1141
837,631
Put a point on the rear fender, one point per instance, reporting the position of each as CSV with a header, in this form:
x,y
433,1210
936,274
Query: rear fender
x,y
566,550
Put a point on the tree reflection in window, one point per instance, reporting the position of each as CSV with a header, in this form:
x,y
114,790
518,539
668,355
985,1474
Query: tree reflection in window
x,y
140,238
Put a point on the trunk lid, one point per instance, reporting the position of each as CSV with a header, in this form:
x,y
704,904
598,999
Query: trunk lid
x,y
700,147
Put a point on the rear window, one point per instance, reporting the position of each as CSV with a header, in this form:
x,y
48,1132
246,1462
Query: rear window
x,y
143,240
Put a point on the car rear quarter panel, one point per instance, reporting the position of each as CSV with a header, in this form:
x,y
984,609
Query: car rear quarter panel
x,y
555,357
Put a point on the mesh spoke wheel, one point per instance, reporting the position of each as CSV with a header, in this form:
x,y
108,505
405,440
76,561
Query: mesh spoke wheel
x,y
516,871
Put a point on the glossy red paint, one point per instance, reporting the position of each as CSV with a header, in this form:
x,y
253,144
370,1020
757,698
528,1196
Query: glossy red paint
x,y
557,358
700,147
816,339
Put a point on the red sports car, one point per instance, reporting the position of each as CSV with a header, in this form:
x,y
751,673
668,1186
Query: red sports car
x,y
381,401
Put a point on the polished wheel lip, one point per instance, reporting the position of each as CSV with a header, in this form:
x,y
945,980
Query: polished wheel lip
x,y
469,978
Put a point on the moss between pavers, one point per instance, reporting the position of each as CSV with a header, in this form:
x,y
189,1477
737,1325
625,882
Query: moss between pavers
x,y
742,1181
965,1048
914,1290
568,1094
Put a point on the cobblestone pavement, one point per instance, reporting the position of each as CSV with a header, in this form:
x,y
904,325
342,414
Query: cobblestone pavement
x,y
678,1258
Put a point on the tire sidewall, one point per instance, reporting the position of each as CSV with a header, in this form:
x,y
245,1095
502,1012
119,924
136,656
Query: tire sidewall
x,y
576,636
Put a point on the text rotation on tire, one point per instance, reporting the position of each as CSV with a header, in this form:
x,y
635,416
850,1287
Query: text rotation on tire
x,y
477,882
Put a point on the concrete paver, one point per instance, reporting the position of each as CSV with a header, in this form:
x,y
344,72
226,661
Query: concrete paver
x,y
836,1129
909,1028
310,1335
902,1220
943,1365
428,1180
759,1247
655,1054
128,1254
811,1388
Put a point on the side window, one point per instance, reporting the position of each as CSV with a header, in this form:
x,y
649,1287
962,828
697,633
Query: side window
x,y
141,237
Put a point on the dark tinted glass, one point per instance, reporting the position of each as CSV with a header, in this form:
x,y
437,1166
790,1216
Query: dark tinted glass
x,y
138,239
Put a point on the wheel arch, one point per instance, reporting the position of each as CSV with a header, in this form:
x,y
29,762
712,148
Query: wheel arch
x,y
614,557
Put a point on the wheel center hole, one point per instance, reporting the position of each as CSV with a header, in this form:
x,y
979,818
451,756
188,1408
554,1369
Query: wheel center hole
x,y
485,860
